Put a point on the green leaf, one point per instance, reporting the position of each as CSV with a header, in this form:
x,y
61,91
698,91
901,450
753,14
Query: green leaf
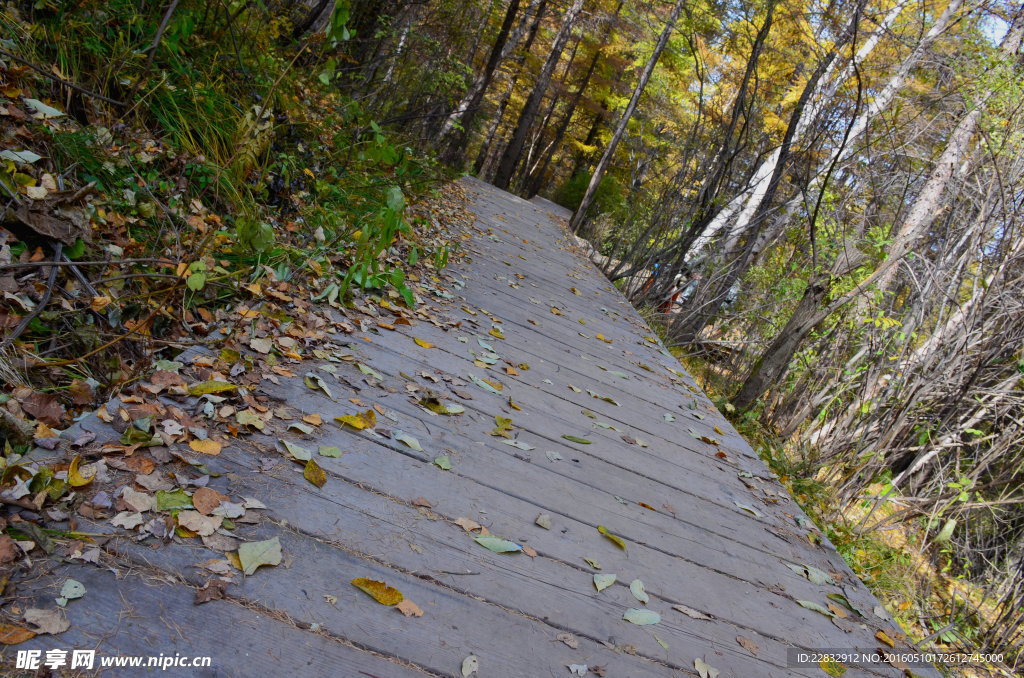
x,y
297,451
641,617
167,501
636,587
256,553
370,372
408,440
196,281
483,384
615,539
329,451
811,605
593,563
576,439
443,462
603,581
497,544
395,199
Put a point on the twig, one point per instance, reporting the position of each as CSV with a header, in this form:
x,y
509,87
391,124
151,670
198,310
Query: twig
x,y
111,262
156,43
62,81
58,250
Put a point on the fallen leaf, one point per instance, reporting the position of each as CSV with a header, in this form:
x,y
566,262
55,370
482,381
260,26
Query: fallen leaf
x,y
71,590
314,474
47,621
470,665
603,581
443,462
641,617
569,640
253,554
422,344
832,668
811,605
497,544
210,387
660,641
518,444
212,590
8,549
370,372
315,381
208,446
883,637
636,587
577,669
593,563
195,521
748,645
529,551
468,524
407,607
12,635
576,439
705,670
329,451
618,541
690,612
544,520
408,440
367,419
75,479
298,452
379,591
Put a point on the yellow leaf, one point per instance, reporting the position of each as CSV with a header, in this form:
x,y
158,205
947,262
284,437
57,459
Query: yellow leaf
x,y
75,479
615,539
379,591
207,446
494,384
12,635
367,419
99,303
496,333
423,344
603,338
883,637
832,668
207,387
235,561
314,474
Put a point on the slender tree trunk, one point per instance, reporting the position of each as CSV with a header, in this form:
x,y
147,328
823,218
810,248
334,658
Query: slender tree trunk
x,y
954,158
602,165
510,158
481,166
465,111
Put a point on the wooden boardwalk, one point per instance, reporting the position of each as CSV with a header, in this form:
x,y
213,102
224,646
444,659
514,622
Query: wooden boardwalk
x,y
722,551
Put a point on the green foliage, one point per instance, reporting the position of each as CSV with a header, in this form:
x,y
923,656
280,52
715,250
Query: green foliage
x,y
609,197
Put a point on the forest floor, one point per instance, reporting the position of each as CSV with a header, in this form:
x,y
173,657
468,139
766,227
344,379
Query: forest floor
x,y
512,478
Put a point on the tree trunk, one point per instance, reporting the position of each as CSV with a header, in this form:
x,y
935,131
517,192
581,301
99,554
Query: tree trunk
x,y
609,151
955,157
463,114
510,158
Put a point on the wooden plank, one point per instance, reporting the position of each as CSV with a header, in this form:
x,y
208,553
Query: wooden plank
x,y
143,617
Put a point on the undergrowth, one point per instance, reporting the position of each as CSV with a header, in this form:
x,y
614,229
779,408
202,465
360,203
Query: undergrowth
x,y
894,558
193,158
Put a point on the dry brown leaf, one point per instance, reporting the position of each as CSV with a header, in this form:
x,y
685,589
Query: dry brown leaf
x,y
205,499
748,645
409,608
468,524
